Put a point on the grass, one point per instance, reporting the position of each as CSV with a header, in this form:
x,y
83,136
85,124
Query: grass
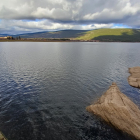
x,y
57,32
112,35
103,35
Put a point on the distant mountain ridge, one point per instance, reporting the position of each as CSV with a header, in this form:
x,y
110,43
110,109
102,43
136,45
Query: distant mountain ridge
x,y
54,34
102,35
3,35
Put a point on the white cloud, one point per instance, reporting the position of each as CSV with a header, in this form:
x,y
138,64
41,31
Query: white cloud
x,y
20,26
67,14
70,10
111,14
96,26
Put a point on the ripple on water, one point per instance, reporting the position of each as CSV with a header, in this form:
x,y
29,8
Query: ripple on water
x,y
45,88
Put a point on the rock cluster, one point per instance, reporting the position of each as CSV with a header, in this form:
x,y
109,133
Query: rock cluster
x,y
118,110
134,78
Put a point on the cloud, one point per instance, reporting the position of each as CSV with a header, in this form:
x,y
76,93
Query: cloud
x,y
20,26
108,15
61,14
70,10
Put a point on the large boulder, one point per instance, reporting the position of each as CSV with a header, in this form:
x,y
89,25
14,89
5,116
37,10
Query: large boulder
x,y
134,78
118,110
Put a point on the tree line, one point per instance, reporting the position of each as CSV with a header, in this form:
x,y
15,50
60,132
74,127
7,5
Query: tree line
x,y
12,38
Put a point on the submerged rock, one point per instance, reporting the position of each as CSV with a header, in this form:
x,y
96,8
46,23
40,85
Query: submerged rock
x,y
118,110
134,78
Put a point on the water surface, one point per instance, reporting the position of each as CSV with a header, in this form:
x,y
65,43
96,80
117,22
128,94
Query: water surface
x,y
45,88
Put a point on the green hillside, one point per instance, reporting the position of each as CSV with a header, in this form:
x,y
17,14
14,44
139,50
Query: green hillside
x,y
112,35
105,35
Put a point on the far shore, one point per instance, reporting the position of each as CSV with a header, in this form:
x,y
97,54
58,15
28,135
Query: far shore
x,y
56,40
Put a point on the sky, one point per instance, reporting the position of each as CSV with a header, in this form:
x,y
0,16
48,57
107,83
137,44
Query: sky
x,y
25,16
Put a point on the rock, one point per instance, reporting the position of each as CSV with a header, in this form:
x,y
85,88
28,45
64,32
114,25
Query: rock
x,y
2,137
118,110
134,78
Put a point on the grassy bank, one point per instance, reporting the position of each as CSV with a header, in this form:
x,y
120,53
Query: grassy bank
x,y
107,35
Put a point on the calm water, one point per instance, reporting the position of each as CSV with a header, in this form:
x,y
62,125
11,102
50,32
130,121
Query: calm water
x,y
45,88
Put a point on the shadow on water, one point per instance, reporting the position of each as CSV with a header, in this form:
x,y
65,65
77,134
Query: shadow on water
x,y
125,37
98,129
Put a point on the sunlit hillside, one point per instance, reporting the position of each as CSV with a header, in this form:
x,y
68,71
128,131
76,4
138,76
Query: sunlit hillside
x,y
111,35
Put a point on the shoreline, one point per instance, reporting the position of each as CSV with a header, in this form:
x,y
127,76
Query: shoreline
x,y
63,40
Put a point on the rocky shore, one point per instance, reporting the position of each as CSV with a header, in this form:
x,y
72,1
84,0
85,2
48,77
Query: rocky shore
x,y
118,110
134,78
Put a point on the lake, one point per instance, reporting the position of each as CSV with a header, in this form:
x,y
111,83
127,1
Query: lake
x,y
46,87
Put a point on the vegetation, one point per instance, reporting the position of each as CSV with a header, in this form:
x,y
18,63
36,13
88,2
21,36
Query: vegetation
x,y
128,35
55,34
35,40
100,35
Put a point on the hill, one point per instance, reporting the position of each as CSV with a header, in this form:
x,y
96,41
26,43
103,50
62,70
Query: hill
x,y
102,35
54,34
128,35
3,35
